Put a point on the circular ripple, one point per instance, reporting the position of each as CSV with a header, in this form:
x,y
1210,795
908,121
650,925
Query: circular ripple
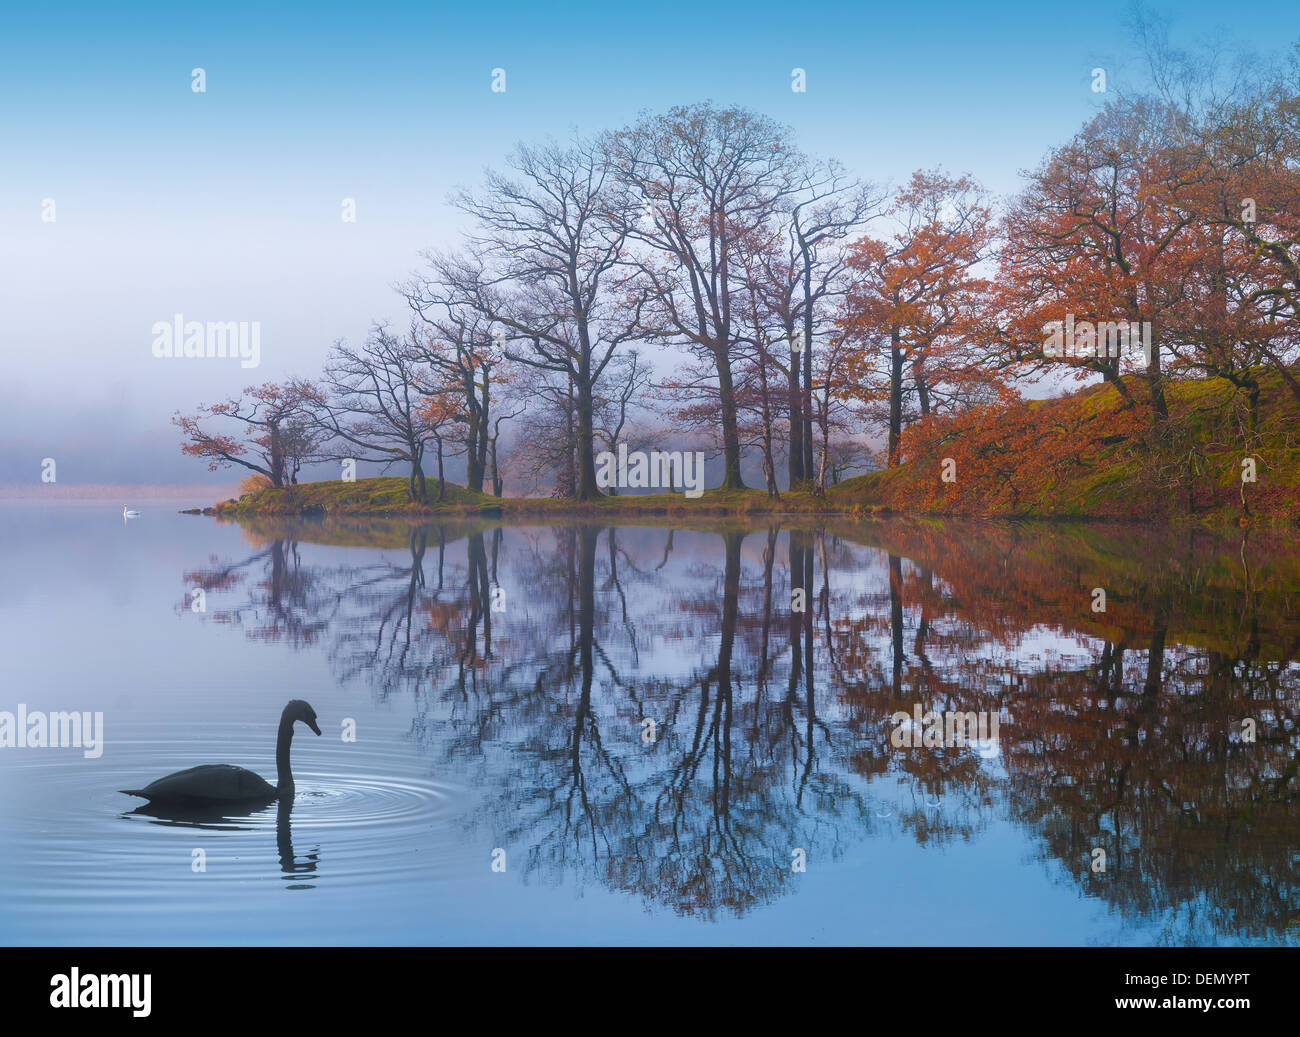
x,y
77,839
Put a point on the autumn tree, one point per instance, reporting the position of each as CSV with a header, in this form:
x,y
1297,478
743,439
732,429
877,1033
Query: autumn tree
x,y
273,435
1241,277
1099,234
913,307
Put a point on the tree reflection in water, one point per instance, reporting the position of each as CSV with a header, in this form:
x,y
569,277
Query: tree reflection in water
x,y
1120,730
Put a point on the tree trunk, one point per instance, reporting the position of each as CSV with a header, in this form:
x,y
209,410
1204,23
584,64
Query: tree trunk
x,y
277,455
1156,389
769,463
895,396
826,453
442,482
586,489
796,424
731,478
473,472
807,398
415,485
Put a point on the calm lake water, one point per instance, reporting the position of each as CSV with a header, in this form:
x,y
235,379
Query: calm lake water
x,y
638,726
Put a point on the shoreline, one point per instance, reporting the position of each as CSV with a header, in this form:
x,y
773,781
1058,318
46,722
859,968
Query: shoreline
x,y
387,497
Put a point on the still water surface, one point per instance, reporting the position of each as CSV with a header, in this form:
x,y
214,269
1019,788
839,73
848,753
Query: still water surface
x,y
500,680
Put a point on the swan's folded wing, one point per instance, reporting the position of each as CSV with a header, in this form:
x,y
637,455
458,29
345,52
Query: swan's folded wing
x,y
252,785
211,782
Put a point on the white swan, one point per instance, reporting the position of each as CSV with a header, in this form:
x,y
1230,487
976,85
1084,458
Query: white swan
x,y
128,513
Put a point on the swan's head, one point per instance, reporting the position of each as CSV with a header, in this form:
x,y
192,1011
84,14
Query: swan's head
x,y
297,709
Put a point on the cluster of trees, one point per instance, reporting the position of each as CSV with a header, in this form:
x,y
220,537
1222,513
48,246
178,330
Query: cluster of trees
x,y
808,308
1180,209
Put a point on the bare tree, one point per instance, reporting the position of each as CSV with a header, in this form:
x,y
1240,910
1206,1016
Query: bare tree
x,y
697,180
545,445
764,329
454,307
628,378
372,400
547,229
493,440
808,280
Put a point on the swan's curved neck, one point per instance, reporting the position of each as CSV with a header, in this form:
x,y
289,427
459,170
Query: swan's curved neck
x,y
283,775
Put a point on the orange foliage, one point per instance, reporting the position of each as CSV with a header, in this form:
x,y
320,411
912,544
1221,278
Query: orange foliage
x,y
252,483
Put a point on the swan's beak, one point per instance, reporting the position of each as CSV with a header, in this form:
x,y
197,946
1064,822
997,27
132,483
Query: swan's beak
x,y
312,725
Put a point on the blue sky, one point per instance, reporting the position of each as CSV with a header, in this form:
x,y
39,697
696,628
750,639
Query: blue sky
x,y
226,205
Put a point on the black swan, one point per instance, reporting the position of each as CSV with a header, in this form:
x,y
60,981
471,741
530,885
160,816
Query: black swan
x,y
215,783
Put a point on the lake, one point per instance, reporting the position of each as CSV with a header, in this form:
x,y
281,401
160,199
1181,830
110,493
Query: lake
x,y
757,732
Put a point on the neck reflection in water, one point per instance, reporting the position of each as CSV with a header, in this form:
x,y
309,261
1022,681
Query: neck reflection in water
x,y
227,817
685,714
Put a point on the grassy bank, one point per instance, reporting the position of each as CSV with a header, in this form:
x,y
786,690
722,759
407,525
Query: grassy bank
x,y
1094,455
1088,455
382,496
388,496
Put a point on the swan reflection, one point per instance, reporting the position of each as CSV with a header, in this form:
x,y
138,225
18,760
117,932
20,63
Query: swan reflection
x,y
226,818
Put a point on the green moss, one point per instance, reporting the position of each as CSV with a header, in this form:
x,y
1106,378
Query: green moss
x,y
379,495
389,496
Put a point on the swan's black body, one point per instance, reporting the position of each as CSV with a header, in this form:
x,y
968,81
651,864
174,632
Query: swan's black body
x,y
217,783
